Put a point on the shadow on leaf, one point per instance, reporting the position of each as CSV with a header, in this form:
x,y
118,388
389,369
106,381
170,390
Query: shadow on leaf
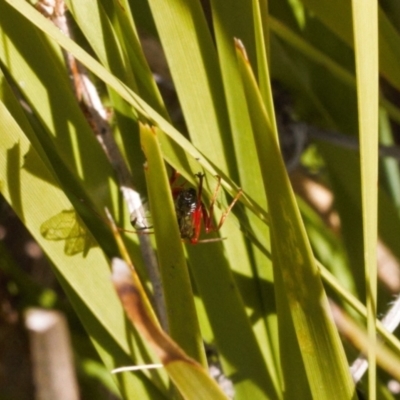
x,y
68,226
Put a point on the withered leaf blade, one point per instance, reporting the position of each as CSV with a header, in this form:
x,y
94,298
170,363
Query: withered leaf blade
x,y
190,378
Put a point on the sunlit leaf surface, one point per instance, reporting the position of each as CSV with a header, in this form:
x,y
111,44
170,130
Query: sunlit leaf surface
x,y
67,226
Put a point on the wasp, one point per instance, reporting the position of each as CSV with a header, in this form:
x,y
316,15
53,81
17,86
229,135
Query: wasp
x,y
191,211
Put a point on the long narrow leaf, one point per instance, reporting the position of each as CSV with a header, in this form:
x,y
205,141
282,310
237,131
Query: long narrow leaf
x,y
294,264
366,51
34,194
175,275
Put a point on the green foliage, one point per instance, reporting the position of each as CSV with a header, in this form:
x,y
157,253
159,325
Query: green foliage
x,y
258,294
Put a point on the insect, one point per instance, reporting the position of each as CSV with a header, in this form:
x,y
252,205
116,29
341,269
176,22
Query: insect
x,y
191,211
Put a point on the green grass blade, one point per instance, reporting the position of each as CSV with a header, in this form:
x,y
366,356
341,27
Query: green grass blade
x,y
241,354
34,194
235,21
205,114
337,16
263,69
102,38
194,68
294,266
366,50
182,156
390,167
62,131
319,57
175,276
35,64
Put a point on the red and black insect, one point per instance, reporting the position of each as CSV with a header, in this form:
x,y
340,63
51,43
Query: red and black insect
x,y
191,211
